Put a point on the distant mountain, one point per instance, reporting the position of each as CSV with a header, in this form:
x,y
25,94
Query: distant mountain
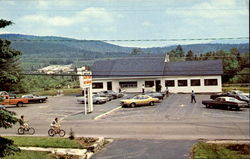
x,y
52,46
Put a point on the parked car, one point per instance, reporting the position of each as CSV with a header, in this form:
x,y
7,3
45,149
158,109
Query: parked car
x,y
113,94
100,94
237,96
2,107
155,95
225,103
139,100
7,100
96,99
237,92
35,98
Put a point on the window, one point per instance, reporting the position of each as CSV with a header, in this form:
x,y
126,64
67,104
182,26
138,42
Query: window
x,y
149,83
97,85
182,83
169,83
195,82
211,82
128,84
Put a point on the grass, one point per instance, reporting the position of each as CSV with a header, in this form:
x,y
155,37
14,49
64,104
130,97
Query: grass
x,y
27,141
220,151
54,92
243,89
31,155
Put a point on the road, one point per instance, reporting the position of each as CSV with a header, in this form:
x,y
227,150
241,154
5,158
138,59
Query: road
x,y
173,118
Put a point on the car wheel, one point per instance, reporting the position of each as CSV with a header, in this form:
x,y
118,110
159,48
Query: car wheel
x,y
19,104
132,105
229,107
40,101
207,106
97,102
151,103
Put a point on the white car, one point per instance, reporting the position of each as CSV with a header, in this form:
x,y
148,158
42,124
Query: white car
x,y
96,99
237,92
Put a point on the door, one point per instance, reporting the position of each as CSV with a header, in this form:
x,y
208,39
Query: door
x,y
158,85
109,85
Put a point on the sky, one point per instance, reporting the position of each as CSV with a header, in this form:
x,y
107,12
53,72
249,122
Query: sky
x,y
128,19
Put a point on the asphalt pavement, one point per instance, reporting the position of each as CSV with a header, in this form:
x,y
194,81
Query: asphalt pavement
x,y
146,149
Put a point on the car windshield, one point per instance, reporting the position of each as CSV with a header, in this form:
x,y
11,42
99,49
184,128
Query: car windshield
x,y
243,97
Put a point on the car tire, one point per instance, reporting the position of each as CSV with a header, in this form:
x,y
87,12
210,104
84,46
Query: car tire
x,y
40,101
207,106
229,107
19,104
132,105
97,102
151,103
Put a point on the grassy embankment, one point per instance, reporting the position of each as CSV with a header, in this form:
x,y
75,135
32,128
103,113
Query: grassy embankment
x,y
31,155
28,141
220,151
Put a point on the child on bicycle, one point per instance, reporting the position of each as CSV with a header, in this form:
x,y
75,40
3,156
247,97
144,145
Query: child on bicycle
x,y
55,125
22,123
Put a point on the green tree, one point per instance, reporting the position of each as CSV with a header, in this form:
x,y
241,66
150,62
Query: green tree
x,y
179,51
136,51
7,76
9,63
189,56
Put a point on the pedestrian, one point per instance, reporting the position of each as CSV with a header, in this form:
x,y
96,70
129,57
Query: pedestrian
x,y
143,88
193,97
120,90
160,88
167,92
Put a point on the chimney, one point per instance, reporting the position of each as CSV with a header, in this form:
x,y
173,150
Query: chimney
x,y
167,58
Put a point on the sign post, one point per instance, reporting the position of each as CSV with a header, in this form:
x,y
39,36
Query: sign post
x,y
86,85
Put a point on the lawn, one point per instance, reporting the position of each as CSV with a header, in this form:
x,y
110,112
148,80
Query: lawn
x,y
229,88
31,155
27,141
220,151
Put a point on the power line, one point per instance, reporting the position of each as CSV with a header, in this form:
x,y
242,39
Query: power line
x,y
125,40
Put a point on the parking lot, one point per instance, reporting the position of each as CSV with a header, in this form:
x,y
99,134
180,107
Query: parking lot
x,y
173,118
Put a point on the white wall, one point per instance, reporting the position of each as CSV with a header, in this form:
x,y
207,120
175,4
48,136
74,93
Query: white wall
x,y
175,89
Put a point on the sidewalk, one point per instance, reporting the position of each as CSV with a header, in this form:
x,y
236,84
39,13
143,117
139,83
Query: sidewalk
x,y
99,110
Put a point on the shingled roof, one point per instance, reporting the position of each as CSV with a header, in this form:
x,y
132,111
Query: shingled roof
x,y
154,66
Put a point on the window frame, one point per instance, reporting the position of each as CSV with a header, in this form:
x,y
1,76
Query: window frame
x,y
195,80
128,84
206,82
94,83
182,85
170,85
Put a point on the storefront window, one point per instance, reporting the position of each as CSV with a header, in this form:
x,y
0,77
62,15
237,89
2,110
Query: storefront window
x,y
195,82
149,83
128,84
97,85
169,83
182,83
211,82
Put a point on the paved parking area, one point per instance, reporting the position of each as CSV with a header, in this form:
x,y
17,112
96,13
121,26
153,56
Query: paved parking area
x,y
174,118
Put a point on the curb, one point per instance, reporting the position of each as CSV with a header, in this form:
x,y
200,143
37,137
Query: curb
x,y
99,116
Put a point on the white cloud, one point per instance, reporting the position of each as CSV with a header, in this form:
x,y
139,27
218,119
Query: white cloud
x,y
211,9
90,15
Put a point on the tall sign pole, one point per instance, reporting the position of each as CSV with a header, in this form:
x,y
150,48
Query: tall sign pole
x,y
86,86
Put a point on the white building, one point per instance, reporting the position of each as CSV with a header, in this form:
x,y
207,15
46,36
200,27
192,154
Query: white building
x,y
157,74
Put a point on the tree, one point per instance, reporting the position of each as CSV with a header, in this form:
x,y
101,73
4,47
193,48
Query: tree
x,y
189,55
9,63
7,76
136,51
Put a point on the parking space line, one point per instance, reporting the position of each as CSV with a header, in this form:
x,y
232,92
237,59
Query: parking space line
x,y
99,116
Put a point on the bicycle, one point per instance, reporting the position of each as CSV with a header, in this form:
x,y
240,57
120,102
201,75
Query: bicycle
x,y
29,130
52,132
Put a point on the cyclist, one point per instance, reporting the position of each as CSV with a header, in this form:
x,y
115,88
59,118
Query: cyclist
x,y
22,123
55,125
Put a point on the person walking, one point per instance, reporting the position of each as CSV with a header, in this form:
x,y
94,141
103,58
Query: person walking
x,y
143,89
167,92
193,97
